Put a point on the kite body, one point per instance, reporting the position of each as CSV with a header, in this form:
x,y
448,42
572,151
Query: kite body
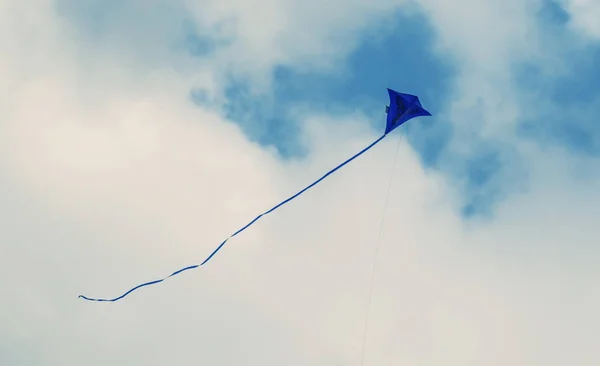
x,y
402,108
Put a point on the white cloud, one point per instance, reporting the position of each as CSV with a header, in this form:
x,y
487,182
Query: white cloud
x,y
585,16
110,177
486,39
251,37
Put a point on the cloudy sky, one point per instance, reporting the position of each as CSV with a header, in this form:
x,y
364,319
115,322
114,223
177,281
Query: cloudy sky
x,y
136,135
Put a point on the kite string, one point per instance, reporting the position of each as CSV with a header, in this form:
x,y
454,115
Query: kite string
x,y
364,339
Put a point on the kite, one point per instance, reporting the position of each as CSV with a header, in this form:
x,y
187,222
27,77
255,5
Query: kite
x,y
402,108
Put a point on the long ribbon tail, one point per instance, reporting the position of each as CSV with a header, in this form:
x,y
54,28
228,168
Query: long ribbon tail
x,y
240,230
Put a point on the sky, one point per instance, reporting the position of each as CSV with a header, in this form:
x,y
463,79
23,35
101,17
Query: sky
x,y
136,135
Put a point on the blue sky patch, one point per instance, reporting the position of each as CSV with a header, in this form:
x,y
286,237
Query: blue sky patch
x,y
569,115
401,61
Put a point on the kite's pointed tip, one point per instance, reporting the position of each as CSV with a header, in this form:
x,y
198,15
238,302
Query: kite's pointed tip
x,y
422,111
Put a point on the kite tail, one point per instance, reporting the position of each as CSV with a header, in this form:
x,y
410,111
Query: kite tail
x,y
240,230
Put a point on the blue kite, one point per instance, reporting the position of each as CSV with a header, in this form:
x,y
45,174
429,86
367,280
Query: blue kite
x,y
402,108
